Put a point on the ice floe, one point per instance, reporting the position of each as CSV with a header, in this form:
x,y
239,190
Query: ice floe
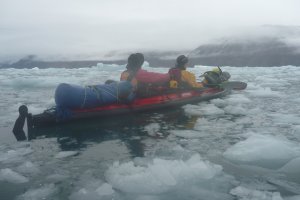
x,y
15,155
243,193
264,92
89,187
105,189
28,168
234,99
153,129
65,154
44,192
236,110
202,109
266,150
188,133
159,176
93,194
281,118
12,176
296,197
57,177
292,166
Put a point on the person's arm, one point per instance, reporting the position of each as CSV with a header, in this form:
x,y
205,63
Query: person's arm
x,y
151,77
190,78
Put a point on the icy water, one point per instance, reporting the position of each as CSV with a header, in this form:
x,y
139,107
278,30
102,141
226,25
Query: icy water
x,y
242,147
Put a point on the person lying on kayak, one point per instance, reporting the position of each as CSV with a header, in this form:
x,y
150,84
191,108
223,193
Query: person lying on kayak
x,y
182,78
139,77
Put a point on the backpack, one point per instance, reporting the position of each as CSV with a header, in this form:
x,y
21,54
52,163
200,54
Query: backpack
x,y
215,78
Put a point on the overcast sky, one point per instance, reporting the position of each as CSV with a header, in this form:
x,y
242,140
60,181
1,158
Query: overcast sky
x,y
83,28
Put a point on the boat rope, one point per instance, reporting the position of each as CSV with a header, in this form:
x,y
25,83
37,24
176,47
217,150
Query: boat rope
x,y
111,93
118,100
98,92
107,91
84,99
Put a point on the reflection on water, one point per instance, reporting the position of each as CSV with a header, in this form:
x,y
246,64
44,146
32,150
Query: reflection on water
x,y
129,129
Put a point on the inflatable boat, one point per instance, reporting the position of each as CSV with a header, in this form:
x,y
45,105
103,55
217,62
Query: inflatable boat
x,y
69,102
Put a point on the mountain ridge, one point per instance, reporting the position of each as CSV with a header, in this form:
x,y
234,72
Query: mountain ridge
x,y
264,51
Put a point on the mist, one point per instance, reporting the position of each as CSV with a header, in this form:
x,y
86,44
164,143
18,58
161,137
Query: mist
x,y
74,29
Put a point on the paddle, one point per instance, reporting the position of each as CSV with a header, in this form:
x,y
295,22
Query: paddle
x,y
19,124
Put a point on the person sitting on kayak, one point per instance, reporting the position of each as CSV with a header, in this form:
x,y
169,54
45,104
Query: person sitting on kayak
x,y
182,78
139,77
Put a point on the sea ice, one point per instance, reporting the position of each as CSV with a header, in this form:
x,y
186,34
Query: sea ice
x,y
152,129
296,129
84,194
159,176
90,187
297,197
264,92
43,192
14,155
57,177
235,99
202,109
248,194
235,110
11,176
105,189
292,167
217,125
285,118
265,149
64,154
188,134
28,168
219,102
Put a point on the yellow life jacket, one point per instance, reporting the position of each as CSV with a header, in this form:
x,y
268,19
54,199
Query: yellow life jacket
x,y
190,79
128,76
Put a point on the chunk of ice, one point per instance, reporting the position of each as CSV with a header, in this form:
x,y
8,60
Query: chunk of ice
x,y
14,155
188,134
152,129
202,109
159,176
264,92
292,167
90,193
39,193
64,154
28,168
12,176
236,99
249,194
235,110
84,194
297,197
57,177
265,149
105,189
